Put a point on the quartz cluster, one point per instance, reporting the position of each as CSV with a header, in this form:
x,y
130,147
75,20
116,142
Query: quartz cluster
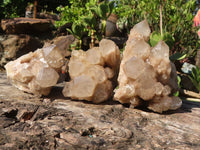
x,y
146,74
36,72
92,72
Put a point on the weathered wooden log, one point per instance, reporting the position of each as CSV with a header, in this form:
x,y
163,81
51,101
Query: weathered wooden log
x,y
55,122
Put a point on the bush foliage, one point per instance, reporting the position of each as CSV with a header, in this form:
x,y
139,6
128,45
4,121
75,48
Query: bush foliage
x,y
177,21
177,17
17,8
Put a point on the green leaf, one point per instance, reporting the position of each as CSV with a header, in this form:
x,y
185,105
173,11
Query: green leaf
x,y
111,6
195,77
103,10
176,94
6,2
179,80
169,39
155,38
78,30
94,10
198,79
177,56
89,21
70,31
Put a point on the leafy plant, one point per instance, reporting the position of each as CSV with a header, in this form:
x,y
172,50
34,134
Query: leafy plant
x,y
177,56
103,11
195,77
11,8
86,14
17,8
78,31
177,21
69,14
90,23
125,10
179,85
156,37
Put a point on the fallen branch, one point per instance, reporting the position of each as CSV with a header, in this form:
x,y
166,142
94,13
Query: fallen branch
x,y
189,93
193,99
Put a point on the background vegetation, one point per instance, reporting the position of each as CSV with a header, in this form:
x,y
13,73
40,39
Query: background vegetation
x,y
169,20
177,18
17,8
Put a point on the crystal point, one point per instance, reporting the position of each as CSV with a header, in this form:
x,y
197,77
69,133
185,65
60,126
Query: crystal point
x,y
36,72
92,72
146,74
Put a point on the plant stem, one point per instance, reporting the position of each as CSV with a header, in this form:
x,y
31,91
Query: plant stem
x,y
92,39
161,28
103,28
35,9
80,43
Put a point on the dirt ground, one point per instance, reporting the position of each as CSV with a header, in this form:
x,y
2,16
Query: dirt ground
x,y
55,122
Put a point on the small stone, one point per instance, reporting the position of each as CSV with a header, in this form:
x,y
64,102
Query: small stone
x,y
146,87
96,72
63,43
165,103
46,100
135,102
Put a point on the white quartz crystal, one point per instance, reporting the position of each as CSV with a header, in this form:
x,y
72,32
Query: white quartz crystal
x,y
36,72
146,74
92,72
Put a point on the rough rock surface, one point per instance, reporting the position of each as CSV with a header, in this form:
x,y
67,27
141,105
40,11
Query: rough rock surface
x,y
91,72
52,17
14,46
146,74
63,43
26,25
36,72
54,122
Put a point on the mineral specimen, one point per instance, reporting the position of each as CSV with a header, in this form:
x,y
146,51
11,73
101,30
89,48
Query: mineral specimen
x,y
36,72
92,72
146,74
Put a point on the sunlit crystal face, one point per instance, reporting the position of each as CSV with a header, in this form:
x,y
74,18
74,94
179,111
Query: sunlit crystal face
x,y
91,72
148,70
83,86
141,31
53,56
36,72
138,48
134,67
161,50
47,77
